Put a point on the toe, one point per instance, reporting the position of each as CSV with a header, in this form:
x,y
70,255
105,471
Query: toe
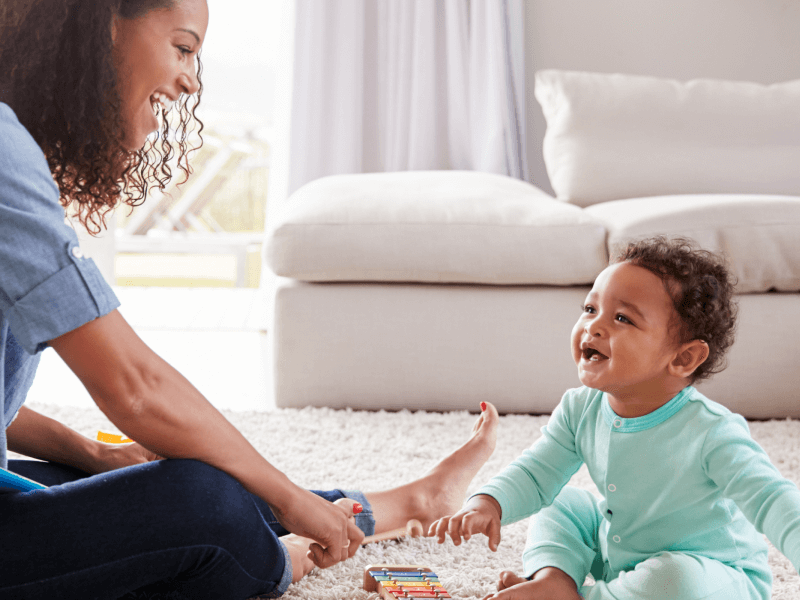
x,y
488,418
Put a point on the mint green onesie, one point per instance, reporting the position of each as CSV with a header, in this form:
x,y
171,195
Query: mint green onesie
x,y
685,492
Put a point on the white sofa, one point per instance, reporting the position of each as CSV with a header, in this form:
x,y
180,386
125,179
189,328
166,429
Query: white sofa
x,y
437,290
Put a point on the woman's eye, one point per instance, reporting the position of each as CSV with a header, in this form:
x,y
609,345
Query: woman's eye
x,y
184,50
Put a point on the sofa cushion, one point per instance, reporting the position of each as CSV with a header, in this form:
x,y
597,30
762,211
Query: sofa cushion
x,y
621,136
434,226
759,234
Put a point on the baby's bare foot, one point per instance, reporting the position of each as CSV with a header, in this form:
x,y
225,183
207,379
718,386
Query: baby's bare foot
x,y
298,552
441,491
509,579
547,584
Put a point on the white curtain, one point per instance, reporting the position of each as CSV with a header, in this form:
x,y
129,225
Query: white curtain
x,y
389,85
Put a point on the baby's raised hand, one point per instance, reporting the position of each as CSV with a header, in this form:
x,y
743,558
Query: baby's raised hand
x,y
481,514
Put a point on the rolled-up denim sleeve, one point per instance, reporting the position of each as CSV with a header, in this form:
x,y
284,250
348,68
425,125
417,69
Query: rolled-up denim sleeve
x,y
47,286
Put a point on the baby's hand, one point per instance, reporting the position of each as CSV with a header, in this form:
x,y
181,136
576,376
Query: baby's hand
x,y
481,514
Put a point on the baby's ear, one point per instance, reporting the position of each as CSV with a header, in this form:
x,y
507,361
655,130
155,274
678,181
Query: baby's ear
x,y
689,356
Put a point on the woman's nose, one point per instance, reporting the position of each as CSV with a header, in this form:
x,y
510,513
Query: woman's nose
x,y
189,81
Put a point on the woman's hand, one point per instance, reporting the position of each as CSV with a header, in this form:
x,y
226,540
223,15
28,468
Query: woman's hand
x,y
38,436
117,456
481,514
331,526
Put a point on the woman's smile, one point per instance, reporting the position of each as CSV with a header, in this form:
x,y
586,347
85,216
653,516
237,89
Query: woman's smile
x,y
156,61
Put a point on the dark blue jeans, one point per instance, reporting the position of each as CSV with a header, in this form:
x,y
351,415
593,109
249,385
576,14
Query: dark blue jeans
x,y
172,529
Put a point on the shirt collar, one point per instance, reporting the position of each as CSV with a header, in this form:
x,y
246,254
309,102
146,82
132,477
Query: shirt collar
x,y
658,416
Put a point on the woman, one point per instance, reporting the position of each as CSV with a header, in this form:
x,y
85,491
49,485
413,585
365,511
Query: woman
x,y
84,85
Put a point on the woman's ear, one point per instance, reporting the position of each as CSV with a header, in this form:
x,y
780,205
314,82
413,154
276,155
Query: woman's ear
x,y
688,357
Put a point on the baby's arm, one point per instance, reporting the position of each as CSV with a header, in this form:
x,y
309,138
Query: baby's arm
x,y
526,485
742,469
480,514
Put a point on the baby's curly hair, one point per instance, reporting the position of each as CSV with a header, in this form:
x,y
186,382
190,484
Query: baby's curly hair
x,y
59,78
701,288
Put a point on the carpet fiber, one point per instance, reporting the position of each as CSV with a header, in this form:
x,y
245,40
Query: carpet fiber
x,y
323,448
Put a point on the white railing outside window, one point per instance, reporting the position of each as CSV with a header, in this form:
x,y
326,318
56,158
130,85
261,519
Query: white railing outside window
x,y
208,231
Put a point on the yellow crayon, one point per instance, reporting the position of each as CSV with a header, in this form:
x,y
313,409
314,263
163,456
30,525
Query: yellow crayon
x,y
112,438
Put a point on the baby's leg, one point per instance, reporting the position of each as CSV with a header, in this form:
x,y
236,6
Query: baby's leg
x,y
562,549
564,535
666,576
678,576
547,584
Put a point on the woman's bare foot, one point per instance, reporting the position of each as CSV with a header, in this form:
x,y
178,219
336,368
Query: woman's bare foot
x,y
547,584
441,491
298,552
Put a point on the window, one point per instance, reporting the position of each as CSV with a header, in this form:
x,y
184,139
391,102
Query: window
x,y
208,231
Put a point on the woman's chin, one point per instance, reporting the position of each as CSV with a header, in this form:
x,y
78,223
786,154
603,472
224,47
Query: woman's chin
x,y
134,141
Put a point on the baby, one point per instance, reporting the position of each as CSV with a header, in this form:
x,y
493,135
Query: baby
x,y
685,488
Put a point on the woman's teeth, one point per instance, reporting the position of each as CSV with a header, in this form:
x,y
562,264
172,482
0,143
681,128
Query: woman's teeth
x,y
160,101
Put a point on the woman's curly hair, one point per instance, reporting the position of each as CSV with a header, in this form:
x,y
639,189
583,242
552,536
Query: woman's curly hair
x,y
58,77
701,288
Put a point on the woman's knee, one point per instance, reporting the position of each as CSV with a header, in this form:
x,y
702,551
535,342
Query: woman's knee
x,y
207,502
190,479
208,507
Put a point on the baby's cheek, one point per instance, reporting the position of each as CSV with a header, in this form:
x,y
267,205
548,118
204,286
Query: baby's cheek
x,y
575,340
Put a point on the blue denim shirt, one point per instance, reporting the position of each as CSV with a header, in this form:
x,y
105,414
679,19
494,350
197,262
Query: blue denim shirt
x,y
47,286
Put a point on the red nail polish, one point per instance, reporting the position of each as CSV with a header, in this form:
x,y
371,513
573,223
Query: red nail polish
x,y
483,406
357,508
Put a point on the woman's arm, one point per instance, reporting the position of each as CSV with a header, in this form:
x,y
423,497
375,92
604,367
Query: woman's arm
x,y
155,405
38,436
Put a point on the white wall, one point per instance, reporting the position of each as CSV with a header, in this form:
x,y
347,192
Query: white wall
x,y
240,58
749,40
100,248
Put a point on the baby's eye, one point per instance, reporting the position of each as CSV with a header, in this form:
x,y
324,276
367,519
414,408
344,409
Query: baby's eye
x,y
587,309
623,319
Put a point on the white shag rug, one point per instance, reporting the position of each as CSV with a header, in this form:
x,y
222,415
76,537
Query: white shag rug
x,y
324,448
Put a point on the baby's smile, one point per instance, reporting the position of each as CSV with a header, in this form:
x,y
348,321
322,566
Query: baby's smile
x,y
593,355
622,343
